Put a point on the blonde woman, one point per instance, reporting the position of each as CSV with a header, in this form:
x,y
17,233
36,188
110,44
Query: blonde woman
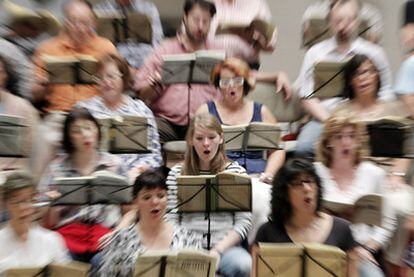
x,y
206,155
346,177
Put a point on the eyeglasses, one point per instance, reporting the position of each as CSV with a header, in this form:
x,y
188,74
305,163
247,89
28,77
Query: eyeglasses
x,y
88,127
26,202
109,77
233,82
300,184
369,71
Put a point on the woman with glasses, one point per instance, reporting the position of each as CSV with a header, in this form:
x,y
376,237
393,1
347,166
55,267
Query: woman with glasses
x,y
362,84
296,213
346,177
23,242
81,226
234,79
113,101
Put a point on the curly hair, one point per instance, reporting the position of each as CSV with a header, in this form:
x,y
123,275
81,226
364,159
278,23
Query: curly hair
x,y
290,171
333,126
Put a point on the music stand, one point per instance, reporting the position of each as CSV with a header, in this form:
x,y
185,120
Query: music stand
x,y
126,26
297,260
12,132
224,192
329,79
173,263
125,135
51,270
257,136
191,68
90,190
391,138
73,71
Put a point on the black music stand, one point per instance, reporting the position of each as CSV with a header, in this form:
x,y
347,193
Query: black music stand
x,y
125,135
391,138
175,263
190,69
225,192
90,190
257,136
12,135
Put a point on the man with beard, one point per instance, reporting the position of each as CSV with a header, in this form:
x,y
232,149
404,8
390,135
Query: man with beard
x,y
171,104
76,39
344,20
174,104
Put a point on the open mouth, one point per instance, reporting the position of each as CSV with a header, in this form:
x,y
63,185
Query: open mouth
x,y
346,152
206,152
232,93
308,200
155,211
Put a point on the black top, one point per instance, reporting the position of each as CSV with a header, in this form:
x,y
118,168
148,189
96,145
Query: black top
x,y
340,235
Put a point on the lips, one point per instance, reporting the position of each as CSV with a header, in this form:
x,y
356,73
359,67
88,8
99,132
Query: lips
x,y
155,211
206,152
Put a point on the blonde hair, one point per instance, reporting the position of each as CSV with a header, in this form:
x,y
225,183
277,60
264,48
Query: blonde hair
x,y
333,126
191,164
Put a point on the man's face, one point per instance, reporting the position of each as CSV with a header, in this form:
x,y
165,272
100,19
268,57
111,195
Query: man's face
x,y
197,24
20,205
79,22
344,21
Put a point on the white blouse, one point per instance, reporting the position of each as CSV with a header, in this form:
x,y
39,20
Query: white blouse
x,y
368,178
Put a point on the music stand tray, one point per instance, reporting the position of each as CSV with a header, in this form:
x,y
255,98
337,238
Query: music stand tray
x,y
89,190
125,135
175,263
12,133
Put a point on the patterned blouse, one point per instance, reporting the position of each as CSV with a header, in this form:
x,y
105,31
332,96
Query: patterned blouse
x,y
120,256
98,109
106,215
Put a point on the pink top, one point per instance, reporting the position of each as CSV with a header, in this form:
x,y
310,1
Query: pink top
x,y
242,11
173,101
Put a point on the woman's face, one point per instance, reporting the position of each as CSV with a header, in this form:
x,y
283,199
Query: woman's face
x,y
151,203
365,81
303,194
20,205
344,144
231,86
111,83
84,135
206,143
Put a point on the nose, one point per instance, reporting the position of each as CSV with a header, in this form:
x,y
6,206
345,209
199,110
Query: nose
x,y
206,142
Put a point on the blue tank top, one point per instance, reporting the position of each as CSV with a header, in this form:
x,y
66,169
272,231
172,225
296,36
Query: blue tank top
x,y
251,160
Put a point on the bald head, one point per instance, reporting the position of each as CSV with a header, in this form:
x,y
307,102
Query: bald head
x,y
344,20
79,20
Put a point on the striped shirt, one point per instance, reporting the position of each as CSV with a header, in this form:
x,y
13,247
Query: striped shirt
x,y
241,12
221,222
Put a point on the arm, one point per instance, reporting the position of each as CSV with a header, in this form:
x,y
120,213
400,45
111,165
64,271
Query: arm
x,y
147,82
253,252
278,77
315,109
